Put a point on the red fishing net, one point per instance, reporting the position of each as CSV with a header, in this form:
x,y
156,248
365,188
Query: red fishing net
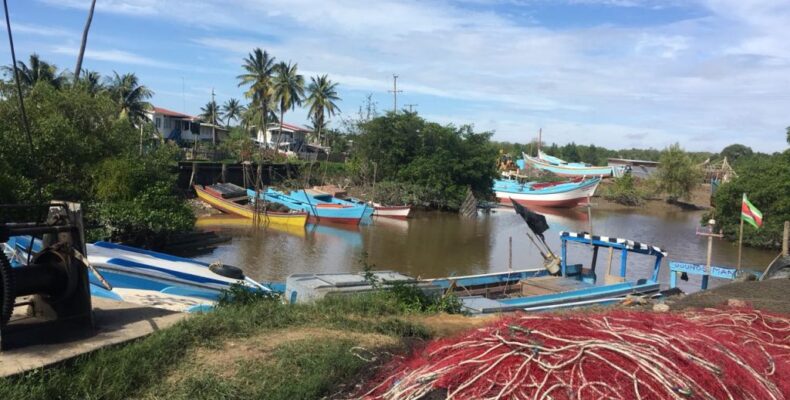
x,y
707,354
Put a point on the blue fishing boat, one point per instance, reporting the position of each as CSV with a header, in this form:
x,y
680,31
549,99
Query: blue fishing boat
x,y
149,278
322,207
573,286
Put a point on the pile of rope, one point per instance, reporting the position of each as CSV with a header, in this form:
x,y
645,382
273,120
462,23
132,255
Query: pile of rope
x,y
619,354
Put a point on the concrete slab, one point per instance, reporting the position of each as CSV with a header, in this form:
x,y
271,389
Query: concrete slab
x,y
38,344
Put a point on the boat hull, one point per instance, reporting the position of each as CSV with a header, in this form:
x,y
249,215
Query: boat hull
x,y
399,212
560,199
291,219
569,171
318,211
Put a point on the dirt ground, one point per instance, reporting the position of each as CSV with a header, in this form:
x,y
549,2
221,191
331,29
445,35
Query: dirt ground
x,y
772,295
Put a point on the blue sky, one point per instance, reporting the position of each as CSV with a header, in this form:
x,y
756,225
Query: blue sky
x,y
617,73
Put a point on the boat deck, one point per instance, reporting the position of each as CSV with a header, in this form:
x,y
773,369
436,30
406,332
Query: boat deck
x,y
550,285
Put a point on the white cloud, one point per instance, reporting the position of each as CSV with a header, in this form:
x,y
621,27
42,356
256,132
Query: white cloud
x,y
723,75
115,55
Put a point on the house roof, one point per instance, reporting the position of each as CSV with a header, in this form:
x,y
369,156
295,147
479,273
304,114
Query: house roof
x,y
287,126
171,113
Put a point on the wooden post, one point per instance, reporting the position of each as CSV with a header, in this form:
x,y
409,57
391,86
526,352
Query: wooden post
x,y
224,173
740,246
194,174
786,239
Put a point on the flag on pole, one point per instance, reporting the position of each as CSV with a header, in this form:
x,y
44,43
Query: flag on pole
x,y
750,213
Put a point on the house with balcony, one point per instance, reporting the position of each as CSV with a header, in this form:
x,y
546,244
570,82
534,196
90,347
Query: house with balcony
x,y
184,128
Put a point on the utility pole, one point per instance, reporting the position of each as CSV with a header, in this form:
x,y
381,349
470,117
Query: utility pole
x,y
213,119
411,106
395,92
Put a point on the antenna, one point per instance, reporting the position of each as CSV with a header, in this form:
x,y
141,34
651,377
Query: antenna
x,y
395,92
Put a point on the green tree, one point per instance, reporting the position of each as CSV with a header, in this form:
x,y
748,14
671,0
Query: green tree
x,y
288,90
72,131
232,110
734,152
322,95
35,71
677,174
764,180
259,71
435,164
130,96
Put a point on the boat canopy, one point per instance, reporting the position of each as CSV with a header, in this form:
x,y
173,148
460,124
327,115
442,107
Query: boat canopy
x,y
624,245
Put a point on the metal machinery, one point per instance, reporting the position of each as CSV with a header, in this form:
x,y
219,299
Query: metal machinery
x,y
53,285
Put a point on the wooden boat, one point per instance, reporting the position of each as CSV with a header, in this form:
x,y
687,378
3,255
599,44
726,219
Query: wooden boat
x,y
240,205
320,206
147,277
536,289
551,194
560,167
233,222
379,210
398,212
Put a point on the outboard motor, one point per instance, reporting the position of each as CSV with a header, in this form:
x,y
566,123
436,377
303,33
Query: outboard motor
x,y
54,286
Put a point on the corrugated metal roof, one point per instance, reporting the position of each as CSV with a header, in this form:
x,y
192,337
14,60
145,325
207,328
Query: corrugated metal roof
x,y
171,113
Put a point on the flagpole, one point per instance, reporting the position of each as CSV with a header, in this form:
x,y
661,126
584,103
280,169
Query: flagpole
x,y
740,240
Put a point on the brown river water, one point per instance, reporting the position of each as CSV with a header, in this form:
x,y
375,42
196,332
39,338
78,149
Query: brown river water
x,y
436,244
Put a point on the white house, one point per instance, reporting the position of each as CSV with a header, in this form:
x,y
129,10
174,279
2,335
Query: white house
x,y
293,137
173,125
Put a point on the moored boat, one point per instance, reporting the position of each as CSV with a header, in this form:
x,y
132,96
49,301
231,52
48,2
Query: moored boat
x,y
537,289
241,206
551,194
399,212
320,206
560,167
146,277
379,210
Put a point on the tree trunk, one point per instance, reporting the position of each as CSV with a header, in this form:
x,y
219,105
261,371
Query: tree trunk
x,y
84,42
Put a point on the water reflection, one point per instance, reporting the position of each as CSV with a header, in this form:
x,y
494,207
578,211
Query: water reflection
x,y
438,244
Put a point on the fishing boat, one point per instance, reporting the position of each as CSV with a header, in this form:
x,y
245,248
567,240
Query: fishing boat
x,y
146,277
379,210
232,199
398,212
227,222
549,194
321,207
573,286
560,167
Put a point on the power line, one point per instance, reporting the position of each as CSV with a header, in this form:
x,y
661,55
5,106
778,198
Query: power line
x,y
16,79
395,92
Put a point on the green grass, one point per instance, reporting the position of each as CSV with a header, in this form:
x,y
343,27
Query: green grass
x,y
306,369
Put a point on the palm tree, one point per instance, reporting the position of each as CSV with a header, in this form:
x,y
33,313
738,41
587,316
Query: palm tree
x,y
91,81
130,96
288,90
232,109
321,99
81,54
37,71
251,115
210,114
259,68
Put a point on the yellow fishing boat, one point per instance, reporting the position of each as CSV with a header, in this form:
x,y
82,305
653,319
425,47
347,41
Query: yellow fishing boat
x,y
234,222
240,206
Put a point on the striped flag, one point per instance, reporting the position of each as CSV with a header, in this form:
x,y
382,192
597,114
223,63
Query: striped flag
x,y
750,213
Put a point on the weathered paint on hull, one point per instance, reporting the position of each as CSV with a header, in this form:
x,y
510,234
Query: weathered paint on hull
x,y
292,219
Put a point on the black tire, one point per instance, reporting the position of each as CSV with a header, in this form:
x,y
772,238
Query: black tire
x,y
6,290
